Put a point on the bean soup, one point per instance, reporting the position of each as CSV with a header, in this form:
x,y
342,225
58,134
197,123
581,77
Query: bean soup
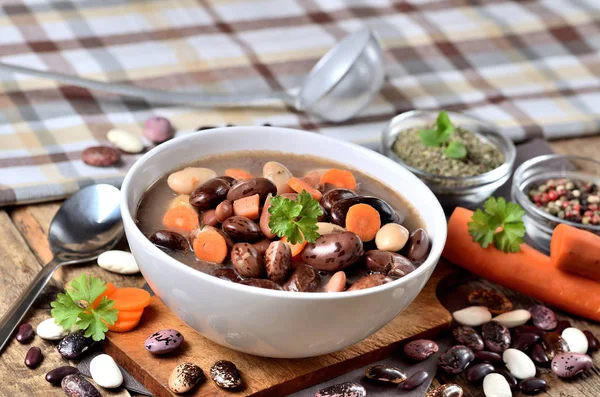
x,y
285,222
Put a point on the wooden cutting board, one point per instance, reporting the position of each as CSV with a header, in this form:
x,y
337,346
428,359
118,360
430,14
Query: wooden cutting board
x,y
425,317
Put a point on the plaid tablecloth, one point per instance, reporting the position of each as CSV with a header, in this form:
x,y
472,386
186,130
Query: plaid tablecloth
x,y
532,67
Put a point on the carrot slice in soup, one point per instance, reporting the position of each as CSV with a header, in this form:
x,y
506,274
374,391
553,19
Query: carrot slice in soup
x,y
209,245
364,221
247,206
299,185
238,174
339,178
181,218
296,248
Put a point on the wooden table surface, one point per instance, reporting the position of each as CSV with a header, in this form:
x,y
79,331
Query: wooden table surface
x,y
24,249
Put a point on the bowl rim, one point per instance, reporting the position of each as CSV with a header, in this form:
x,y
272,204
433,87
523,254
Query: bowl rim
x,y
526,203
439,218
510,153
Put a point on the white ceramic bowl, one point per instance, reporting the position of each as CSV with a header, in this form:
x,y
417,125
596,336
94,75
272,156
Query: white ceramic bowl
x,y
267,322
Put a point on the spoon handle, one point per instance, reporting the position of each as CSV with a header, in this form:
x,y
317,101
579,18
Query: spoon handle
x,y
196,99
15,314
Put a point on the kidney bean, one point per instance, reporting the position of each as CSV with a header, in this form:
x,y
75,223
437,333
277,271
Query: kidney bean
x,y
496,336
488,357
167,239
209,218
469,337
278,261
335,195
417,246
25,333
561,326
57,374
420,349
533,385
477,372
385,374
553,344
389,263
226,273
210,193
262,246
224,210
261,283
538,356
241,228
593,342
250,187
332,252
246,260
340,209
456,359
494,301
528,329
100,156
415,380
524,341
370,281
543,317
304,279
33,358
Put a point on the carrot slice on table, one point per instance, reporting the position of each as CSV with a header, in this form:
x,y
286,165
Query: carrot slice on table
x,y
110,288
124,326
247,206
130,298
299,185
339,178
238,174
527,271
364,221
296,248
181,218
575,250
209,245
129,315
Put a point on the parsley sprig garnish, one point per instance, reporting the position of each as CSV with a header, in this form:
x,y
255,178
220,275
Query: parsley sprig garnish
x,y
439,137
500,223
295,220
74,307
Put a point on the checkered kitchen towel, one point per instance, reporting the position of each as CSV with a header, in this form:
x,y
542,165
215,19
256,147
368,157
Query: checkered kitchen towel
x,y
532,67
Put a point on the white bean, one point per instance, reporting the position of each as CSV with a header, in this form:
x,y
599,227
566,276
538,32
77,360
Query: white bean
x,y
279,175
391,237
125,140
116,261
186,180
328,228
576,340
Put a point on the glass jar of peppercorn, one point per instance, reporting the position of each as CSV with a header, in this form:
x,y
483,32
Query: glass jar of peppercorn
x,y
555,189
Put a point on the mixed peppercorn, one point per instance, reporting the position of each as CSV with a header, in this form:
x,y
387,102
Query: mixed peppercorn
x,y
573,200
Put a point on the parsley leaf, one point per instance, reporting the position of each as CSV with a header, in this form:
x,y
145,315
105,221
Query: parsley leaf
x,y
75,307
65,311
456,150
500,223
295,220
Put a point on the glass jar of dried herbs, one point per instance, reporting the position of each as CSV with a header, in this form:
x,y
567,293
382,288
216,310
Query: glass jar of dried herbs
x,y
445,150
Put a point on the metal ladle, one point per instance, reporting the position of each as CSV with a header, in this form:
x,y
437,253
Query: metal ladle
x,y
87,224
339,86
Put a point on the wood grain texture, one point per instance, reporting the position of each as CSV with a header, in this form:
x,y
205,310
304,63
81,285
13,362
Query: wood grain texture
x,y
453,293
264,376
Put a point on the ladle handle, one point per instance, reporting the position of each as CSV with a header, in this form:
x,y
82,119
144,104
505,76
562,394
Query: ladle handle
x,y
15,314
152,95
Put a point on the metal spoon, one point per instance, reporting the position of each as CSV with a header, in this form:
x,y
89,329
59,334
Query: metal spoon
x,y
339,86
87,224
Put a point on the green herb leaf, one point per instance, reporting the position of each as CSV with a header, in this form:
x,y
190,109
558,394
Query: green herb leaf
x,y
437,137
295,220
456,150
75,307
430,138
444,126
65,311
500,223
